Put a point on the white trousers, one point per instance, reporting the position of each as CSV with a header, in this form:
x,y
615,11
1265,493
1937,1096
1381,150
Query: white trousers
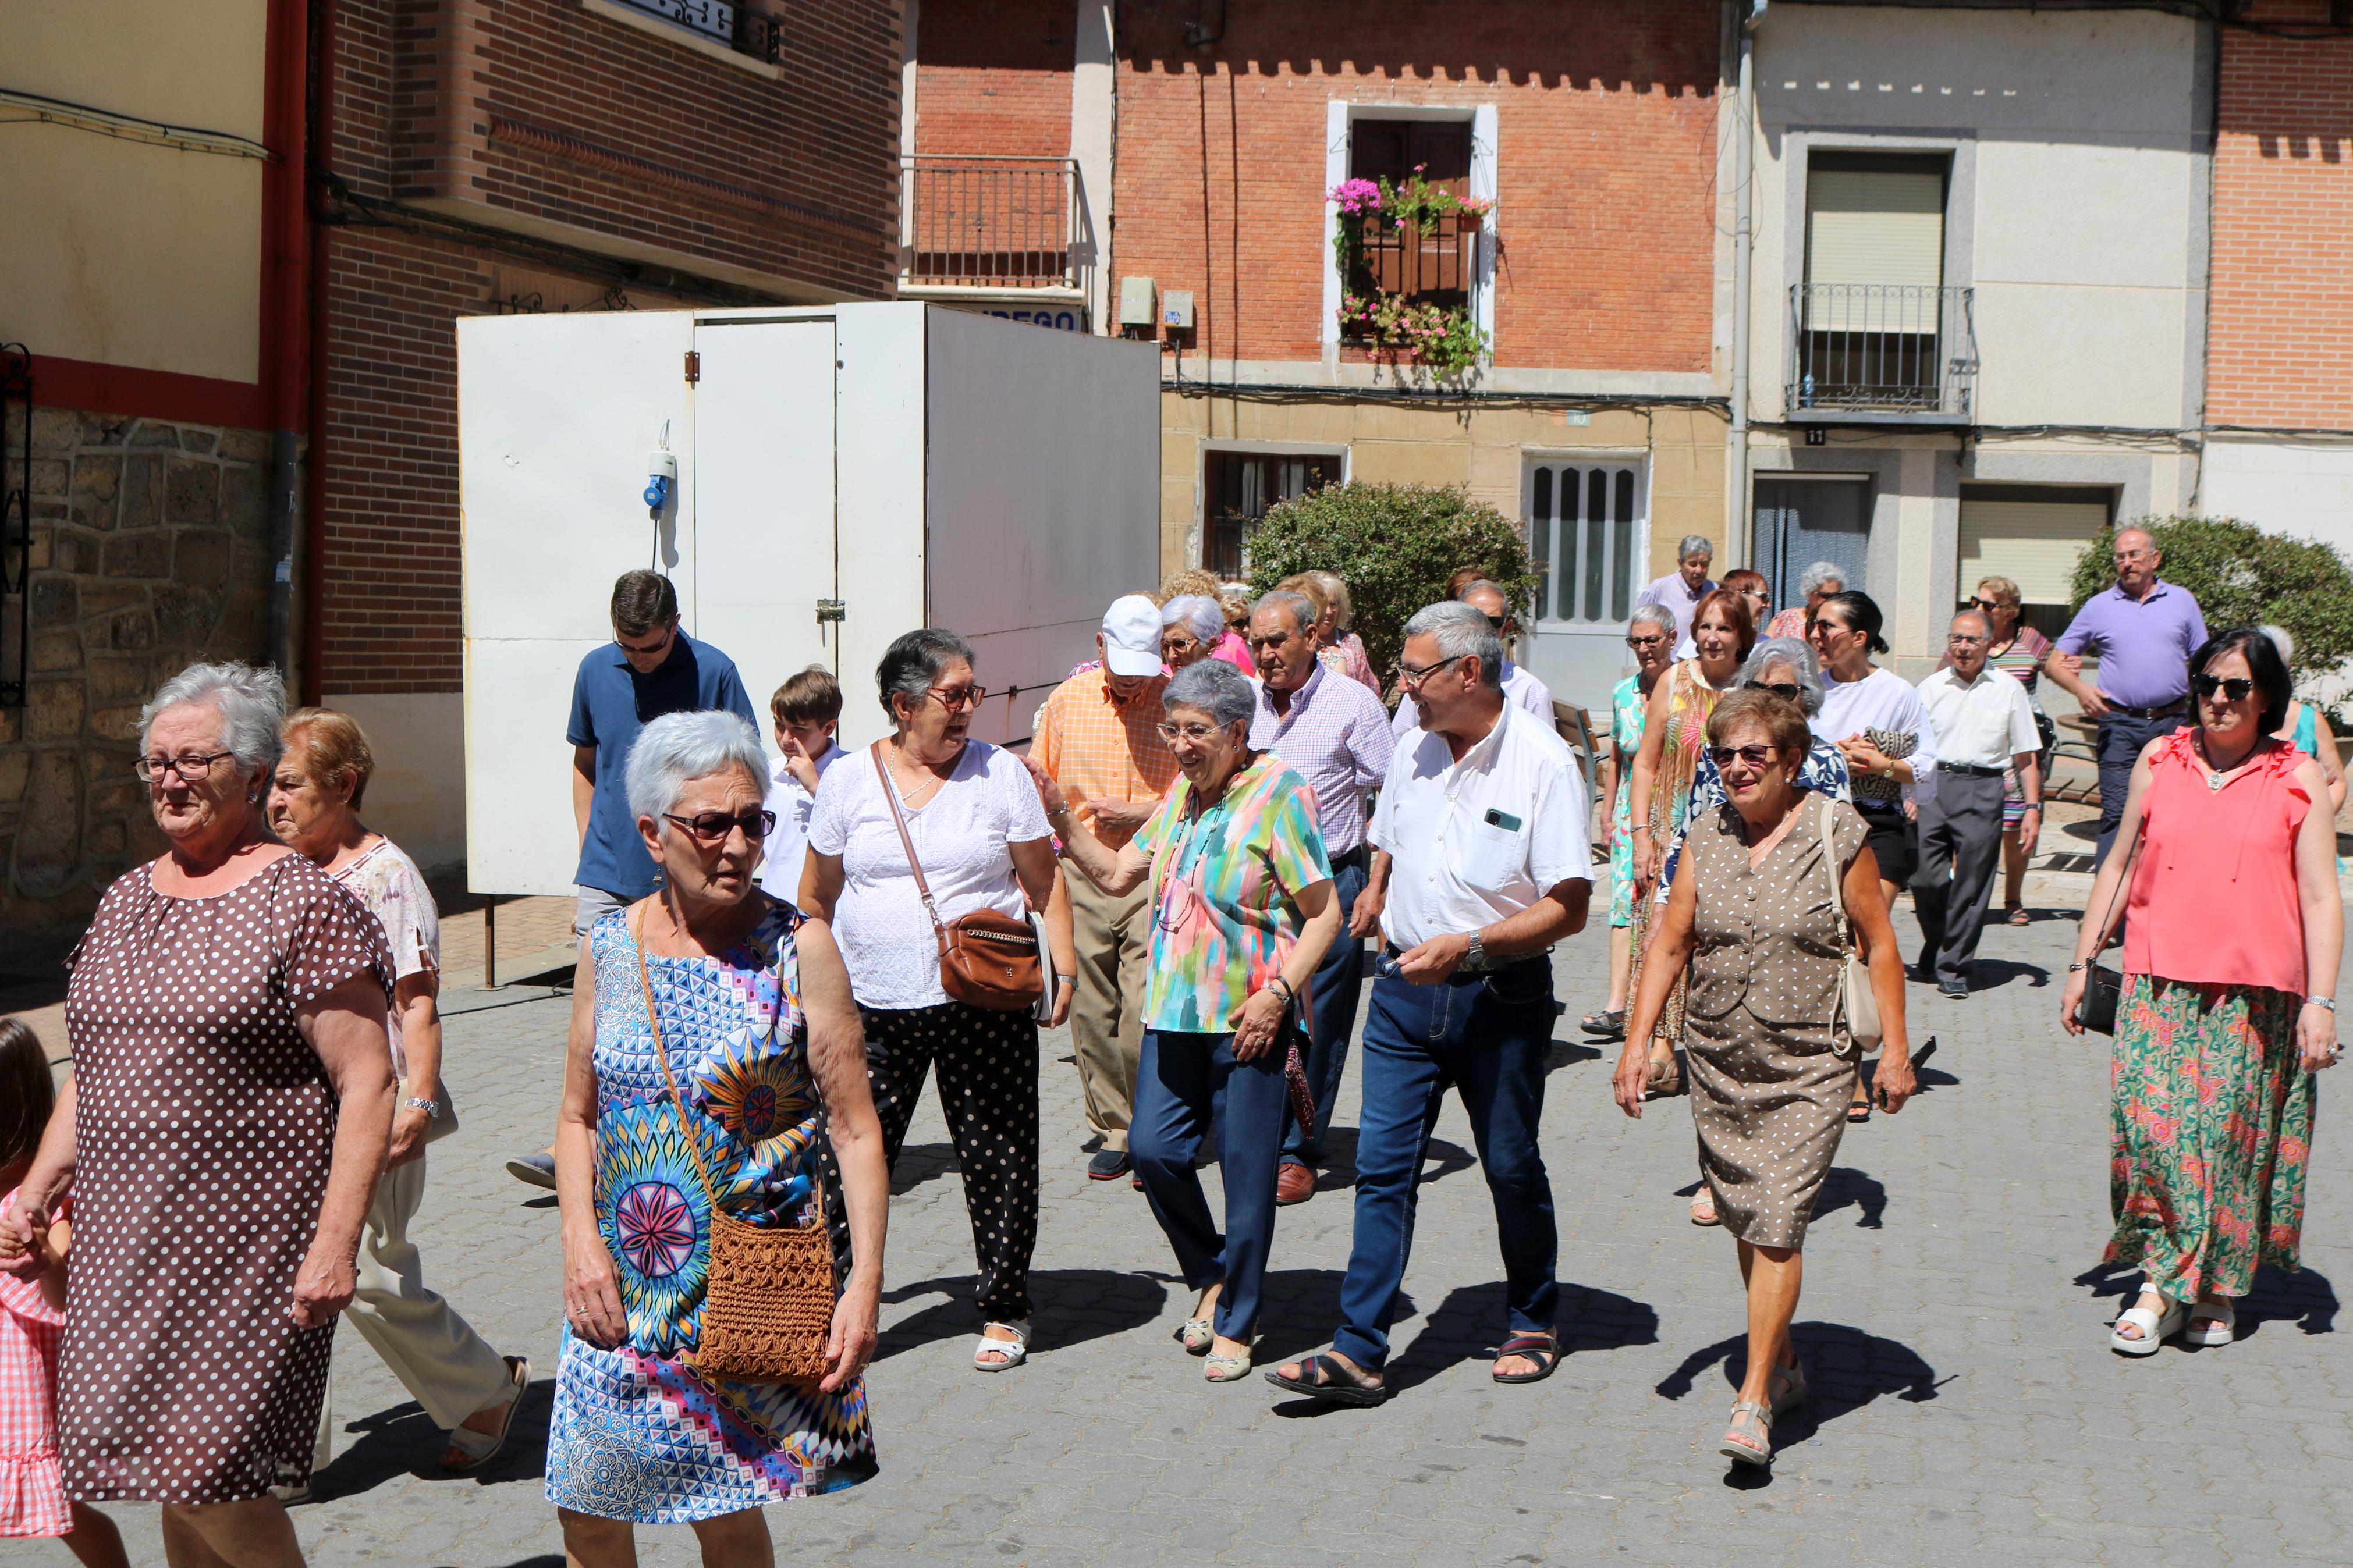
x,y
436,1354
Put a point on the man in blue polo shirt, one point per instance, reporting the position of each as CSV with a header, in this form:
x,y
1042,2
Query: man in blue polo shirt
x,y
649,668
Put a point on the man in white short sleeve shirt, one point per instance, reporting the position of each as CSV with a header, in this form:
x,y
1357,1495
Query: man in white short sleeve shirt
x,y
1482,863
1984,724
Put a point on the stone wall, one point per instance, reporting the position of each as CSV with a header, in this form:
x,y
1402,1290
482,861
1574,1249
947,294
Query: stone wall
x,y
149,549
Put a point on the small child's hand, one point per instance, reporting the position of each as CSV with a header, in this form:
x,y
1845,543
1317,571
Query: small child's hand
x,y
24,1239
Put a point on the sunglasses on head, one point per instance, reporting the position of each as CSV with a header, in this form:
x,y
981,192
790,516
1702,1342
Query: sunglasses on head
x,y
1786,689
1755,756
712,826
2234,689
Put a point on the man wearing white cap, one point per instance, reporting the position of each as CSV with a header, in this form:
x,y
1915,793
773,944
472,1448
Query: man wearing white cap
x,y
1098,737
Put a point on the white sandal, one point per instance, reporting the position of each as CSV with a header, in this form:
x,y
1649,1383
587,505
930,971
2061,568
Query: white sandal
x,y
2154,1327
2220,1318
1196,1335
1015,1350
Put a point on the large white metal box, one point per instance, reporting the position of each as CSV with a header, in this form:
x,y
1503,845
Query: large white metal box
x,y
919,465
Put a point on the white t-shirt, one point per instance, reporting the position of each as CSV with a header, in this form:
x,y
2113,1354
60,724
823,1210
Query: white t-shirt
x,y
1477,841
1881,701
787,847
961,835
389,883
1521,690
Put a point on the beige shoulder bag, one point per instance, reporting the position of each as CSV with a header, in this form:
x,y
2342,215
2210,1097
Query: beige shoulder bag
x,y
1856,1001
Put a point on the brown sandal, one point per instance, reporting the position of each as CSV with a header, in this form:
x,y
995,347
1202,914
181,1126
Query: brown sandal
x,y
2016,915
1665,1082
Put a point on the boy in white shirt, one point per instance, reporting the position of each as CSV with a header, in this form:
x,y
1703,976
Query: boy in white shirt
x,y
806,709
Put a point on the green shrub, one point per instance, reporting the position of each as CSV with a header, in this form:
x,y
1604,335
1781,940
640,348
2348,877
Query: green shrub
x,y
1395,546
2242,576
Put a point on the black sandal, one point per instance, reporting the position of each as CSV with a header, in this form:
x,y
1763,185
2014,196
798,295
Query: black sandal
x,y
1333,1384
1542,1349
1608,1025
1857,1111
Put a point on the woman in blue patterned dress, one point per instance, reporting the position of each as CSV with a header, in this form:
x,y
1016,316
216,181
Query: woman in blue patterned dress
x,y
761,1037
1650,633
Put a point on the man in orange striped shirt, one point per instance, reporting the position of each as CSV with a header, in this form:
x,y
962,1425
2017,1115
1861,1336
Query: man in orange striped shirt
x,y
1098,736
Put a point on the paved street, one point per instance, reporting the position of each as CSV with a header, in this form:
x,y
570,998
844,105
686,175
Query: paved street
x,y
1966,1409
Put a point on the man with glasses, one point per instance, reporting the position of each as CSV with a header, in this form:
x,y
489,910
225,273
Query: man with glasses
x,y
1521,690
649,668
1333,733
1097,737
1984,724
1482,864
2143,632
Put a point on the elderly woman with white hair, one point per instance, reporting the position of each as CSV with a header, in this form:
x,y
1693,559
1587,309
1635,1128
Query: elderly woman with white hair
x,y
1191,627
221,1139
2306,728
711,1026
1242,912
1650,635
1815,583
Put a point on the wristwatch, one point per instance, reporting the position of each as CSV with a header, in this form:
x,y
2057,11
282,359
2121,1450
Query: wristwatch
x,y
1477,957
2327,1002
432,1108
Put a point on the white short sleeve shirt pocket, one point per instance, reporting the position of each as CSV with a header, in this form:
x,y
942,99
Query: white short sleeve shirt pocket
x,y
1493,856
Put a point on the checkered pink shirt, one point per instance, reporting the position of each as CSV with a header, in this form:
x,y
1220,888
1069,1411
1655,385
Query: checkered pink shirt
x,y
32,1492
1336,736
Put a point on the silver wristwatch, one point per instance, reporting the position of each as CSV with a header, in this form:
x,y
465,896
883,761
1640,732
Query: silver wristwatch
x,y
432,1108
1477,957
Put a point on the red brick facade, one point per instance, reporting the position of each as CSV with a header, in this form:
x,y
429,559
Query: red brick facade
x,y
544,114
993,77
2280,349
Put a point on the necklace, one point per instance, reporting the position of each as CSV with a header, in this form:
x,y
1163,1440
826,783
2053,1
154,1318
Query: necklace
x,y
2217,777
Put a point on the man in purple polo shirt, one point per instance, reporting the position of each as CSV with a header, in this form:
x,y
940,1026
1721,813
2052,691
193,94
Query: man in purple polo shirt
x,y
2143,630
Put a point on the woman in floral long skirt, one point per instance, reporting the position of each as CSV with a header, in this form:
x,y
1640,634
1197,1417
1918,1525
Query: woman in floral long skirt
x,y
2232,934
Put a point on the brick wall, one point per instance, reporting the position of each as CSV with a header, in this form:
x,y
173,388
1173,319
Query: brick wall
x,y
994,76
2281,341
1606,132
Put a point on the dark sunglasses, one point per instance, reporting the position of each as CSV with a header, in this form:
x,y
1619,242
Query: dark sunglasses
x,y
1755,756
2236,689
1987,605
712,827
1786,689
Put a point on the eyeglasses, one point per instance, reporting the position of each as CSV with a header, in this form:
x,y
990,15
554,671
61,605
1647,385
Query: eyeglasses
x,y
955,697
1197,734
1409,675
190,769
1961,639
1498,622
2234,689
1788,690
1987,605
1656,639
1755,756
669,636
712,826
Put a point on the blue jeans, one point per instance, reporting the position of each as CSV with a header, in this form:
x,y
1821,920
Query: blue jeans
x,y
1184,1082
1338,982
1488,1036
2121,738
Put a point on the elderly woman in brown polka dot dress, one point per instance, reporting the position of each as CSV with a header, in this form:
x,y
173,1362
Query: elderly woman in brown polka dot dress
x,y
1755,913
227,1116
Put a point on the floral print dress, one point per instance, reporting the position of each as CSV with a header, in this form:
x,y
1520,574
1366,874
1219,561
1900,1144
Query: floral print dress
x,y
1627,708
637,1432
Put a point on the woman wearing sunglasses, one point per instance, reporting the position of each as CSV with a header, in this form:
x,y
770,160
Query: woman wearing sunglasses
x,y
1753,912
2232,934
1242,912
1651,634
976,828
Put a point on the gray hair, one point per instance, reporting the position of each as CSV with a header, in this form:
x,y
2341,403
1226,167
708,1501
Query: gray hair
x,y
1198,614
1793,652
251,703
1471,587
1820,573
1972,614
913,662
679,747
1215,687
1302,607
1650,612
1460,631
2282,641
1694,544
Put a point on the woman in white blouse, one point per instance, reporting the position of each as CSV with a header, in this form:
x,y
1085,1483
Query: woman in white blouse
x,y
973,819
1877,719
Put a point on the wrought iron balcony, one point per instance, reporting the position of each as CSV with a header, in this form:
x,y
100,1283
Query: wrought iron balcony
x,y
1894,352
977,222
1436,268
735,27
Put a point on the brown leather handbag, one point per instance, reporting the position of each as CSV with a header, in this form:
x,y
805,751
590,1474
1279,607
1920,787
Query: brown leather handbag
x,y
767,1299
986,959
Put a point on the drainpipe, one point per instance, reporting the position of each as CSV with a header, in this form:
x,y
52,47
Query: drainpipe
x,y
1744,174
286,271
314,507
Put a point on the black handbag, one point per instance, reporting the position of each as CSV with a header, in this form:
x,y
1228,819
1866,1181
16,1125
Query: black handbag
x,y
2103,987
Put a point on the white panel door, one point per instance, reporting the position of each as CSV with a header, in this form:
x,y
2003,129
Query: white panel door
x,y
1590,541
518,834
764,496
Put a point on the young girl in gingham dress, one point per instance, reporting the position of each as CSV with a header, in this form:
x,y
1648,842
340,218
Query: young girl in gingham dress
x,y
32,1322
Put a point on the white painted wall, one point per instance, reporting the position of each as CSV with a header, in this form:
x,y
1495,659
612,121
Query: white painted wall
x,y
2281,486
417,798
2076,198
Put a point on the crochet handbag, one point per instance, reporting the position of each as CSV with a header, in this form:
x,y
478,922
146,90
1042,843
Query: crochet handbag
x,y
1856,998
767,1301
986,959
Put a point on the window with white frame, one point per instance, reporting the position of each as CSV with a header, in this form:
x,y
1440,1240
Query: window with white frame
x,y
1589,534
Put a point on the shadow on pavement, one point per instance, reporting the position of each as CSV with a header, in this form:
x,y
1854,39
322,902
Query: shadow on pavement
x,y
1072,1306
1568,1053
1297,1310
2305,1299
1989,974
1844,1185
404,1441
1846,1369
921,1162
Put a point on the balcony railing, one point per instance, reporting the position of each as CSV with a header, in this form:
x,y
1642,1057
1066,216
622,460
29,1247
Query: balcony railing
x,y
1897,349
1434,268
738,27
992,223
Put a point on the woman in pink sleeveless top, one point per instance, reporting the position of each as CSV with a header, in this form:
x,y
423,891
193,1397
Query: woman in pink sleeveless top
x,y
2229,1000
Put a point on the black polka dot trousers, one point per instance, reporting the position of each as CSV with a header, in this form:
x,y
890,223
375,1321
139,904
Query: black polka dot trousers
x,y
987,1064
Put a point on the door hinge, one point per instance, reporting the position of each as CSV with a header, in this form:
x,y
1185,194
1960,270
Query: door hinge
x,y
832,610
693,367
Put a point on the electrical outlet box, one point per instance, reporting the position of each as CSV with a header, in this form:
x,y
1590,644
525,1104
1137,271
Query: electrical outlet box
x,y
1176,310
1135,302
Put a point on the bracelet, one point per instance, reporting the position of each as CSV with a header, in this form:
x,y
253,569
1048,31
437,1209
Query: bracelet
x,y
1290,997
2327,1002
2079,966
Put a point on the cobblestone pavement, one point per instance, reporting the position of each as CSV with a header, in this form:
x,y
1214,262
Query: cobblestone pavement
x,y
1966,1409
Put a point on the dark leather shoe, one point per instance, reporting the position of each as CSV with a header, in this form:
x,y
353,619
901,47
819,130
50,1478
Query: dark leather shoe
x,y
1108,1165
1293,1184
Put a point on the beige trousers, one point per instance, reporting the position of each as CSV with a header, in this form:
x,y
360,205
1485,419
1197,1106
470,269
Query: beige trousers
x,y
436,1354
1114,938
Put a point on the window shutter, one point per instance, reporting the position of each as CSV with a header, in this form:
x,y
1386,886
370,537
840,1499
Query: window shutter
x,y
1875,226
2034,543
